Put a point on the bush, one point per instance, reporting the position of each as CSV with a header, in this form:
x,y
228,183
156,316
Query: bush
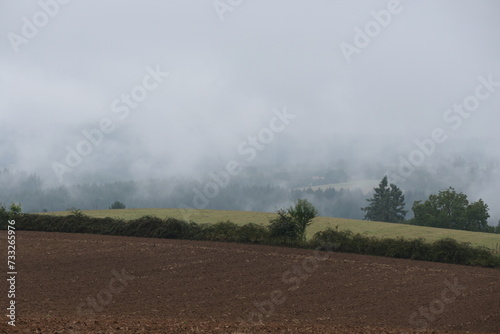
x,y
146,226
280,232
253,233
5,216
343,240
284,230
452,251
222,231
302,213
179,229
445,250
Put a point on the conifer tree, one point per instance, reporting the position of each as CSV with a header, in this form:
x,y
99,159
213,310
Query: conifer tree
x,y
387,204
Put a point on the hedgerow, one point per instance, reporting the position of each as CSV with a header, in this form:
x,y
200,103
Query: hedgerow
x,y
445,250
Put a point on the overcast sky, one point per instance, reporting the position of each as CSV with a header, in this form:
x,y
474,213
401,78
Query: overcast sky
x,y
229,66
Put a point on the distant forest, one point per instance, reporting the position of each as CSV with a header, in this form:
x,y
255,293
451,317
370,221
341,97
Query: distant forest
x,y
172,193
255,189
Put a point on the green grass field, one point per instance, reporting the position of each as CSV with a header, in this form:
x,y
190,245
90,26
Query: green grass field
x,y
378,229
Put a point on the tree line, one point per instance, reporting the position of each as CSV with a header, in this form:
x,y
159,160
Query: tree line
x,y
169,193
446,209
288,229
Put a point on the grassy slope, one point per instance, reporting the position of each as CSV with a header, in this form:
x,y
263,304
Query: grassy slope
x,y
369,228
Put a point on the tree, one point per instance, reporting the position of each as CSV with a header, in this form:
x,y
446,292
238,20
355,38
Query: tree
x,y
449,209
387,204
15,208
5,215
284,227
291,223
477,216
303,214
117,205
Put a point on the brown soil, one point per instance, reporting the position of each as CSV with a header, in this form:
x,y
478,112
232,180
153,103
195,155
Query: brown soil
x,y
67,283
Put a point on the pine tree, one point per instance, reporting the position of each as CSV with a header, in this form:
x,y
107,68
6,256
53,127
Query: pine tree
x,y
387,204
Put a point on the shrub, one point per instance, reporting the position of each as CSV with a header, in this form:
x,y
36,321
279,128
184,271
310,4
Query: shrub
x,y
302,213
221,231
445,250
179,229
253,233
284,229
452,251
5,216
341,239
146,226
280,232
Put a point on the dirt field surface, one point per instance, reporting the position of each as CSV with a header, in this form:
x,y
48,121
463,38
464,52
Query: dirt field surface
x,y
76,283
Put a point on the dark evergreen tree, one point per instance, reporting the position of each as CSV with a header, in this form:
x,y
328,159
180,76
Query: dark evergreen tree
x,y
387,204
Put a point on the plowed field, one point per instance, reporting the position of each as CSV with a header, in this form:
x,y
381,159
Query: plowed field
x,y
76,283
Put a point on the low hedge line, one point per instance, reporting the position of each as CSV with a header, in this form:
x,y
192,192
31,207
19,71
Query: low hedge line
x,y
445,250
147,226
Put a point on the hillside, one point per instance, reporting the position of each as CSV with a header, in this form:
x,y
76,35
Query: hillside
x,y
369,228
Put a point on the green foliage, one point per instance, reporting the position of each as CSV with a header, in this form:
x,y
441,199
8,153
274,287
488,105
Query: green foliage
x,y
117,205
449,209
291,224
15,208
284,229
302,213
77,214
452,251
147,226
221,231
387,204
5,216
341,239
253,233
180,229
477,216
445,250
